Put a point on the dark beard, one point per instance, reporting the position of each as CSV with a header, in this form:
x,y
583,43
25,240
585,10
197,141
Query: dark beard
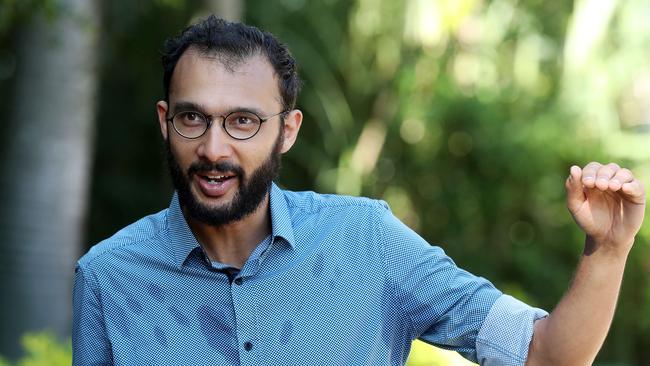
x,y
247,199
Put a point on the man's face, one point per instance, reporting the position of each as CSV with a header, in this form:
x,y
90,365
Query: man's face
x,y
251,191
219,179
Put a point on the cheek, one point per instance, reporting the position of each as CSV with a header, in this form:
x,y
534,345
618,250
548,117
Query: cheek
x,y
248,159
253,156
183,153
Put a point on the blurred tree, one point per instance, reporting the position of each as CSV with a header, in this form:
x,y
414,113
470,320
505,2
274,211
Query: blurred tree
x,y
45,167
227,9
42,349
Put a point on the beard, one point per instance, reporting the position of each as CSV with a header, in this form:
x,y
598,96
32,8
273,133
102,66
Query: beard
x,y
250,193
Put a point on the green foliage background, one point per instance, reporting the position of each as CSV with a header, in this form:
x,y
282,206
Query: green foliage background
x,y
42,349
465,115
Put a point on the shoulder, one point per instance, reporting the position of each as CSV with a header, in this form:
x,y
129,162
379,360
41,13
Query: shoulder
x,y
332,219
312,202
129,238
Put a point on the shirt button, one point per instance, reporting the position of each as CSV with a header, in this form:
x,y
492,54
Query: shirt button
x,y
248,346
238,281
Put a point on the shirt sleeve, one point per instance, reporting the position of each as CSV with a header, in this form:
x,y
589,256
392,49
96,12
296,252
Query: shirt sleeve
x,y
90,346
504,337
448,306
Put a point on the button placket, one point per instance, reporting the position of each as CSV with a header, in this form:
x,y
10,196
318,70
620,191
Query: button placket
x,y
244,306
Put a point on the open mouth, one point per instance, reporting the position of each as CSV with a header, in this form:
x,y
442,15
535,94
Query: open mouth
x,y
216,179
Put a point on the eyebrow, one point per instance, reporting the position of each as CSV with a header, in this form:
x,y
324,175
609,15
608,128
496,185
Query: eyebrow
x,y
187,106
190,106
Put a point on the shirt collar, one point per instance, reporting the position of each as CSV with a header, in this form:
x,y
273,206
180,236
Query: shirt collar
x,y
281,224
183,241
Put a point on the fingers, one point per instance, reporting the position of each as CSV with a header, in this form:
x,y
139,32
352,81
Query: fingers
x,y
613,178
589,174
605,177
634,191
574,189
621,177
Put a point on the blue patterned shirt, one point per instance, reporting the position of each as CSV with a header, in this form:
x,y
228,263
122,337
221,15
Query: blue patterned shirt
x,y
340,281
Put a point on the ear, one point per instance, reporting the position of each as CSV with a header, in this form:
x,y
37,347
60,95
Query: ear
x,y
161,108
292,123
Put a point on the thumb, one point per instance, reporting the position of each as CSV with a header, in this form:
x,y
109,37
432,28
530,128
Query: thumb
x,y
574,189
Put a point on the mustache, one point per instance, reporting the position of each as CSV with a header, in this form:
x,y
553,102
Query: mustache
x,y
224,166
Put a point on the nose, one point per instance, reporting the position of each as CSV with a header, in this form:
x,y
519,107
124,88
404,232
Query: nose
x,y
215,144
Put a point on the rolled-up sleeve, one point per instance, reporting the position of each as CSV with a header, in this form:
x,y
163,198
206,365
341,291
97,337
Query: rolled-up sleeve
x,y
504,337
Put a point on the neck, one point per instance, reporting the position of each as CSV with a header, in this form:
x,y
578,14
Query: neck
x,y
232,244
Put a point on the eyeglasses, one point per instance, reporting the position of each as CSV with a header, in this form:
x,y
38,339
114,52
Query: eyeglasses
x,y
240,125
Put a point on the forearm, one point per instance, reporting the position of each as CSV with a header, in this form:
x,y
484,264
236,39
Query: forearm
x,y
574,332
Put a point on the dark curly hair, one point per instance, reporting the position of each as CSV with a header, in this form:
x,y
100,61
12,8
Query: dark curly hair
x,y
233,43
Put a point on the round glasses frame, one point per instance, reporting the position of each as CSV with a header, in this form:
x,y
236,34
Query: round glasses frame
x,y
229,123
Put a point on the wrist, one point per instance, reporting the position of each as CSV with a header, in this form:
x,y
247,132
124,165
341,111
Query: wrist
x,y
606,248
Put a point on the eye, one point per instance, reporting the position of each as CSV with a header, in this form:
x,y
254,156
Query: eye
x,y
242,120
190,118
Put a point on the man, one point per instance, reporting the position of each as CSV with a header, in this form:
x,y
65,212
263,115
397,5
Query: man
x,y
239,272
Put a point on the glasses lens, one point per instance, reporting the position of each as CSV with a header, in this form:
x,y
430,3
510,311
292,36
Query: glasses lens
x,y
242,125
190,124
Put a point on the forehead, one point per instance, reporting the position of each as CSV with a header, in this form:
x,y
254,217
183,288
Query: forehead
x,y
220,82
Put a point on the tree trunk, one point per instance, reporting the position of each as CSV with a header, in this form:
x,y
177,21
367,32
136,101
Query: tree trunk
x,y
45,170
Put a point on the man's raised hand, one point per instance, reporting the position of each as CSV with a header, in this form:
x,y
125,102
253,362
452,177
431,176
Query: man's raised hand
x,y
608,203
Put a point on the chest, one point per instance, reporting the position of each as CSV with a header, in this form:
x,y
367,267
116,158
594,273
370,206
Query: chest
x,y
318,308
